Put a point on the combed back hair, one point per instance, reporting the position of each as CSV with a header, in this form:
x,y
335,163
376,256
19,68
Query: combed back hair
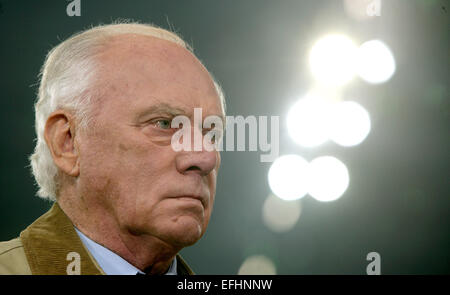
x,y
66,82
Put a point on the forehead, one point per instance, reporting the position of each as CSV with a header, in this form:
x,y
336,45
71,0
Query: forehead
x,y
141,70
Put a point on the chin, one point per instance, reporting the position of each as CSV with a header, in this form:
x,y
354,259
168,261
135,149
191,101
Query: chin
x,y
186,231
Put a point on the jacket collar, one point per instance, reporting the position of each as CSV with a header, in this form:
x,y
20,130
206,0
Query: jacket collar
x,y
48,241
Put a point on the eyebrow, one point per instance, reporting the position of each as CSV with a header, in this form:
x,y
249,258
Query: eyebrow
x,y
163,108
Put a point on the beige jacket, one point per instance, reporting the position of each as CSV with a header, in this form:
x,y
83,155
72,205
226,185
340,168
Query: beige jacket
x,y
43,249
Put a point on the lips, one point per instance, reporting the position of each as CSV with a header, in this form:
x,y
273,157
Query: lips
x,y
195,197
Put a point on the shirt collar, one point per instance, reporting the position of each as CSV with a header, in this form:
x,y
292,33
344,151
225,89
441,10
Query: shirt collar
x,y
113,264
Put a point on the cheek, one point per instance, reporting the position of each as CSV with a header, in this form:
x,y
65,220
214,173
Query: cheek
x,y
126,164
212,191
94,163
213,182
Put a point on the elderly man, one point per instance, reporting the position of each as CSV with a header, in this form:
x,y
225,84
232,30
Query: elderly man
x,y
125,202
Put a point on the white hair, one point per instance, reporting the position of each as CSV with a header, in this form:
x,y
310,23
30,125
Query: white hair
x,y
66,80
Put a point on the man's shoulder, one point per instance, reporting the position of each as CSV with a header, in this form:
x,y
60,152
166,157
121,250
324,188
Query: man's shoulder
x,y
10,245
12,258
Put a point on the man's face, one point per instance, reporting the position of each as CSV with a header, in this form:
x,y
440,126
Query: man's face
x,y
127,164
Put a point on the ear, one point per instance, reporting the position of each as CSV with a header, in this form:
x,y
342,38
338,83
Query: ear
x,y
59,134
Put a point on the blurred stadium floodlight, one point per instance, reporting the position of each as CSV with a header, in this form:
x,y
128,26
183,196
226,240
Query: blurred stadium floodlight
x,y
291,177
288,177
308,121
328,178
280,215
332,60
375,62
350,123
257,265
314,120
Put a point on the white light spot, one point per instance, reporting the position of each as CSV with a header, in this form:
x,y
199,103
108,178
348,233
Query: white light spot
x,y
332,60
350,123
376,63
279,215
308,121
257,265
328,180
288,177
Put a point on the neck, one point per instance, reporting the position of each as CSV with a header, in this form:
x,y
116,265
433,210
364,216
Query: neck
x,y
147,253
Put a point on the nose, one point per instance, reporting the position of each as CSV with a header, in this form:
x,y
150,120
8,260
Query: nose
x,y
201,162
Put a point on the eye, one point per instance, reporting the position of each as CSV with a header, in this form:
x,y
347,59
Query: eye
x,y
163,123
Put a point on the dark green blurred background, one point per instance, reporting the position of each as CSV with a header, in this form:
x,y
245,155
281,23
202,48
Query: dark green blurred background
x,y
398,201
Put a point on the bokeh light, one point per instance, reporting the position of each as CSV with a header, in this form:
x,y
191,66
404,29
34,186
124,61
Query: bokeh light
x,y
308,121
280,215
288,177
375,62
257,265
328,178
332,60
350,123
